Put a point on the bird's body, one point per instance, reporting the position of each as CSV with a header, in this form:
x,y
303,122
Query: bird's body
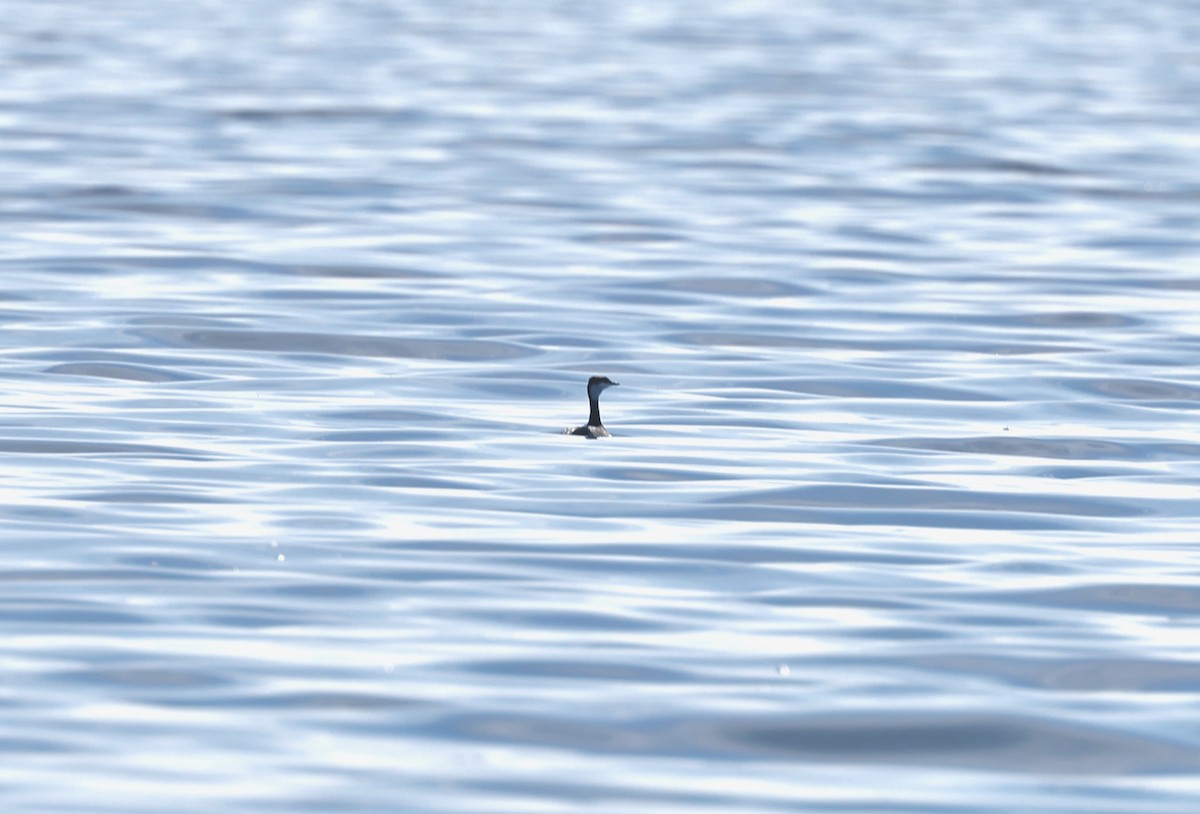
x,y
594,428
589,431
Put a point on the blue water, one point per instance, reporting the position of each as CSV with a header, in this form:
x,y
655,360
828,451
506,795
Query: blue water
x,y
900,512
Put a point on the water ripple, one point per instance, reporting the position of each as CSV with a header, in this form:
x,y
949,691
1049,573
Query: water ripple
x,y
899,510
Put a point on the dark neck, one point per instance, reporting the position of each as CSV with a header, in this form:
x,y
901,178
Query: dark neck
x,y
594,415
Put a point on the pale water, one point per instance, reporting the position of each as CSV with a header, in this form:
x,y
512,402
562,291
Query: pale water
x,y
901,510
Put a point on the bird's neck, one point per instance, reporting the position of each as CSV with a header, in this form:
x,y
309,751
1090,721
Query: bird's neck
x,y
594,403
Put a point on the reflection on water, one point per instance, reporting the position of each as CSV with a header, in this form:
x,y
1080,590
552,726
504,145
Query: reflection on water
x,y
899,514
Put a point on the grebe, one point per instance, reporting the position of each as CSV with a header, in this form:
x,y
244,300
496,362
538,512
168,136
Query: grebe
x,y
593,428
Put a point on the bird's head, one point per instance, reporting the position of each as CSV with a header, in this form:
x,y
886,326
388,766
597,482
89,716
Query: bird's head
x,y
597,384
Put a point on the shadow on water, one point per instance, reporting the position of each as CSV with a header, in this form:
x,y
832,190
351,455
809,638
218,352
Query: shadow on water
x,y
966,740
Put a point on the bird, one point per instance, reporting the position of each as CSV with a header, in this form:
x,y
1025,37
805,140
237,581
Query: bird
x,y
593,428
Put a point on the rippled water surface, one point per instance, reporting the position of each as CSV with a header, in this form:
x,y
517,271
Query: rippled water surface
x,y
900,509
